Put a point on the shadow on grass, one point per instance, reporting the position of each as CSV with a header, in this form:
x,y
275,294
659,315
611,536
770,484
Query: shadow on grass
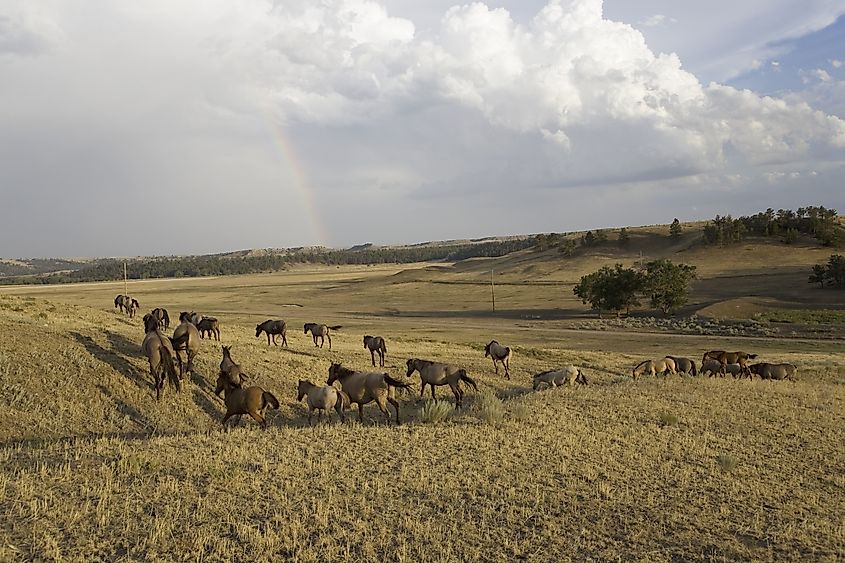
x,y
114,359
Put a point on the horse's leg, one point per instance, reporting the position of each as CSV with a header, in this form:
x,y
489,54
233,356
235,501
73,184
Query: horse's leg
x,y
329,336
422,389
285,341
507,368
373,357
257,416
381,358
457,393
433,398
495,365
395,404
338,407
227,417
361,413
310,415
382,405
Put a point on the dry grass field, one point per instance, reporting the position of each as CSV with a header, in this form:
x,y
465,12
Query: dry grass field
x,y
662,469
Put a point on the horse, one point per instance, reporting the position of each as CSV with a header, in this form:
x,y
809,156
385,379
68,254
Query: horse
x,y
684,365
273,328
321,331
127,304
436,373
774,371
211,326
714,367
567,374
186,338
160,314
501,354
376,344
363,388
322,399
227,365
160,354
239,401
726,358
653,367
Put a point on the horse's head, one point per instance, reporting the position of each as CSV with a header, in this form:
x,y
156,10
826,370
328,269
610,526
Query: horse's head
x,y
366,339
412,365
257,331
337,372
305,330
150,323
227,352
184,316
487,348
302,388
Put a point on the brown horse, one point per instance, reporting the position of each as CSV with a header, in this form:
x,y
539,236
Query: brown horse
x,y
376,344
162,358
321,331
160,314
653,367
436,373
322,399
210,326
501,354
726,358
239,401
275,328
186,338
228,366
363,388
127,304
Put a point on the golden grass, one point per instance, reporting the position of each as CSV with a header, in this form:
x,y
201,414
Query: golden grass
x,y
659,470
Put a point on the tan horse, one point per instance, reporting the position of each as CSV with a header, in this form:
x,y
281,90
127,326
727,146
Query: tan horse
x,y
363,388
322,332
436,373
376,344
239,401
569,375
653,367
501,354
322,399
162,358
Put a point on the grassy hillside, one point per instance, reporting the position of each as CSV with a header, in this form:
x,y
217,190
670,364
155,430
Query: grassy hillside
x,y
660,470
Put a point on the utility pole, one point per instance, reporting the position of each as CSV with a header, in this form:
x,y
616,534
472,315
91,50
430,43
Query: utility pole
x,y
125,290
492,290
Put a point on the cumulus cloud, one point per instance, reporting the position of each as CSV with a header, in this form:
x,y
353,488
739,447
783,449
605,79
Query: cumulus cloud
x,y
657,20
180,98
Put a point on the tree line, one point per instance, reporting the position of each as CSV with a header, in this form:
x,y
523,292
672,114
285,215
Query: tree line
x,y
221,265
816,221
831,274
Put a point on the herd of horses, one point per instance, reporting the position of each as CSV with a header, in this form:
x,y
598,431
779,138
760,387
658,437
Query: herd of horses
x,y
716,362
171,357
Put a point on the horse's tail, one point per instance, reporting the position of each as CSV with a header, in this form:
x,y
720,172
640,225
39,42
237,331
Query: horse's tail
x,y
468,379
394,383
270,399
181,341
336,327
384,346
169,368
581,378
343,401
166,318
694,369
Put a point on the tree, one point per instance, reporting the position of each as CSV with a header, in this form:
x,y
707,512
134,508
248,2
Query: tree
x,y
791,235
675,229
588,239
610,289
835,271
567,247
819,275
667,284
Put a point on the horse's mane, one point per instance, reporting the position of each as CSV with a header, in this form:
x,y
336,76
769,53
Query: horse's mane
x,y
643,363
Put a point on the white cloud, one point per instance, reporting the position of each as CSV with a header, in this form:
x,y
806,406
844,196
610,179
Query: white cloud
x,y
187,101
836,63
657,20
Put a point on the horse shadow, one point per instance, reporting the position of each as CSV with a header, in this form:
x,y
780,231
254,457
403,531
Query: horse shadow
x,y
128,410
211,408
117,362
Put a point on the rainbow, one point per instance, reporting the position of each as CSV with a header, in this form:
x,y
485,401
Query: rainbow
x,y
300,182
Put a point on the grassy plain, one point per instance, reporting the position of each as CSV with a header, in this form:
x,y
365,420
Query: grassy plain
x,y
658,470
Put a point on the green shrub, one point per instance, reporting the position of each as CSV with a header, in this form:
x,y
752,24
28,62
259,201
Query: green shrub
x,y
668,419
435,411
489,407
727,463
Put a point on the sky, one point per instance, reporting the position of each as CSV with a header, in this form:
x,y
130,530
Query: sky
x,y
157,128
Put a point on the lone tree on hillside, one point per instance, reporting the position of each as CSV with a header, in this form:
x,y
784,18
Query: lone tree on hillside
x,y
831,274
624,237
675,229
614,289
667,284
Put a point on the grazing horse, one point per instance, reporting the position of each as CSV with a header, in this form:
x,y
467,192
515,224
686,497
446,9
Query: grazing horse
x,y
321,331
227,365
567,374
127,304
159,352
501,354
160,314
436,373
714,367
211,326
186,338
274,328
653,367
376,344
684,365
726,358
322,399
363,388
239,401
774,371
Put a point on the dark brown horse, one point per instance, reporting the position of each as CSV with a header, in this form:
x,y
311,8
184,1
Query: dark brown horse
x,y
726,358
210,326
436,373
501,354
186,338
273,328
160,314
376,344
160,354
239,401
127,304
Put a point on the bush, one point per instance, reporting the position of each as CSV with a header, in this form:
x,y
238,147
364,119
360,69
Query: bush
x,y
435,411
727,463
668,419
519,410
489,407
